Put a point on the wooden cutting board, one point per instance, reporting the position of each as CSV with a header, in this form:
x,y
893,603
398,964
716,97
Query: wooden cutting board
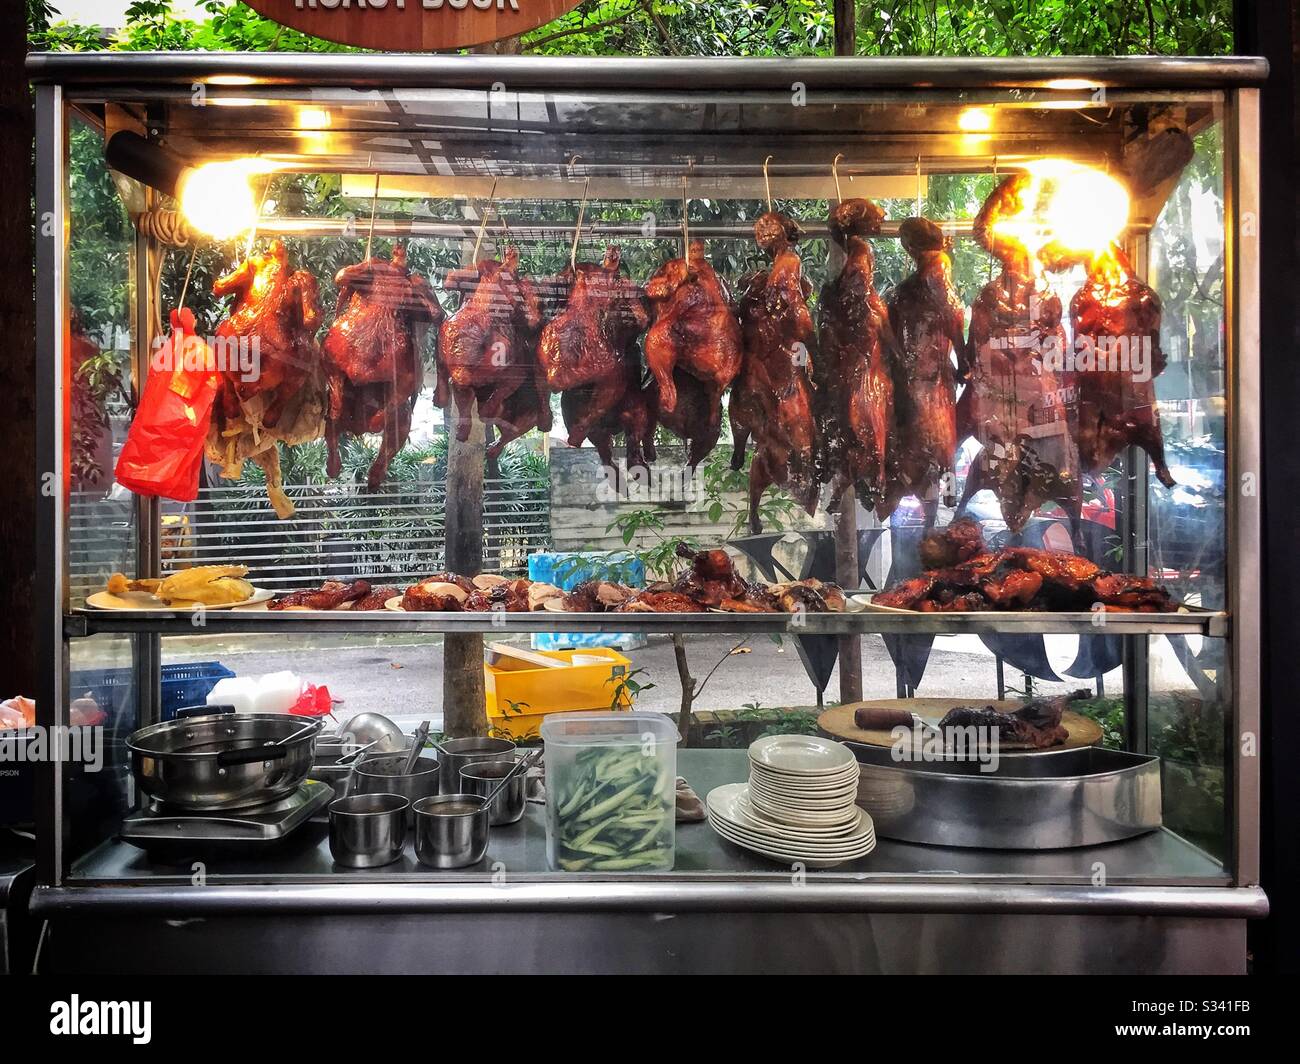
x,y
837,722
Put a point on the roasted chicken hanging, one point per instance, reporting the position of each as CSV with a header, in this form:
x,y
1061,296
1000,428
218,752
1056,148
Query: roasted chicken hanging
x,y
773,396
486,349
274,319
1017,403
272,384
1115,319
591,343
852,373
373,368
928,320
695,333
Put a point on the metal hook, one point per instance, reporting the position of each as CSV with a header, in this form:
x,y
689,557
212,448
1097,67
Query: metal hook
x,y
487,209
767,185
835,173
582,207
686,236
252,233
374,205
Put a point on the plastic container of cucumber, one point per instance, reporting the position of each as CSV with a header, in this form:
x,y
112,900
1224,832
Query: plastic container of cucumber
x,y
611,782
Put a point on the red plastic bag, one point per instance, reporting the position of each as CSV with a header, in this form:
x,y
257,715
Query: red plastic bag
x,y
164,446
313,702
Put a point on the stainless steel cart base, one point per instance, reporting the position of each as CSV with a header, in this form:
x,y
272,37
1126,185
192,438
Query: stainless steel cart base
x,y
607,942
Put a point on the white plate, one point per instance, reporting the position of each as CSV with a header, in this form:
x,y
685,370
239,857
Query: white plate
x,y
802,755
801,818
802,779
830,834
730,801
795,848
805,786
135,601
394,603
789,856
805,804
783,785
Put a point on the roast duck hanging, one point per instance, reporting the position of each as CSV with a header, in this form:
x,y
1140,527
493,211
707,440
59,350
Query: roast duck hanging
x,y
373,365
273,391
1017,404
693,349
1112,316
588,352
772,400
853,372
928,320
486,351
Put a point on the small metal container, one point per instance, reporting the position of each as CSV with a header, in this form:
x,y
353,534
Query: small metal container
x,y
509,804
368,830
451,830
383,774
455,754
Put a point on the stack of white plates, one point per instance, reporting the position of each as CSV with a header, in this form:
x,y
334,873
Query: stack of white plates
x,y
798,805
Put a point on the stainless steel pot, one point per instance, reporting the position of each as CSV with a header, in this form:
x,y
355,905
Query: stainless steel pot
x,y
451,830
455,754
205,760
481,779
385,774
368,830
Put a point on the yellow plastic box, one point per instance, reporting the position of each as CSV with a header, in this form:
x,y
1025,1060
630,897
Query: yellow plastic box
x,y
520,696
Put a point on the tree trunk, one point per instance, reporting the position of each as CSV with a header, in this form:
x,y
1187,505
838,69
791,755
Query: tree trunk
x,y
463,699
18,366
688,686
846,27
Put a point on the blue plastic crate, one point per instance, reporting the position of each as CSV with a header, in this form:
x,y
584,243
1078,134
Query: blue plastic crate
x,y
182,685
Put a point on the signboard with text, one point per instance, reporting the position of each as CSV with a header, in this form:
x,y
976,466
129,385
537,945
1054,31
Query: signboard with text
x,y
413,25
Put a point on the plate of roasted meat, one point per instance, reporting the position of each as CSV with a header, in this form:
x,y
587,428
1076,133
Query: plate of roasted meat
x,y
1037,726
709,584
210,587
962,575
355,596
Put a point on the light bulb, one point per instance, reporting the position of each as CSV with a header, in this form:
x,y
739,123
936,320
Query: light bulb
x,y
217,199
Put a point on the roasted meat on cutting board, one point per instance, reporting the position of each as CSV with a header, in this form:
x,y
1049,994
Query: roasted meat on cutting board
x,y
373,368
772,400
1020,409
695,333
928,320
591,343
852,373
1117,315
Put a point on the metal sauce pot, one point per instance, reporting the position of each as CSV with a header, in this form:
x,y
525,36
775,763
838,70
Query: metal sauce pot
x,y
211,758
455,754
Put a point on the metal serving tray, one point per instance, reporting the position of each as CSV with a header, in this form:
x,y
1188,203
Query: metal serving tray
x,y
1082,797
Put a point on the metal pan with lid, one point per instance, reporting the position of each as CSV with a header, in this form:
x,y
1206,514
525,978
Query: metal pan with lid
x,y
211,758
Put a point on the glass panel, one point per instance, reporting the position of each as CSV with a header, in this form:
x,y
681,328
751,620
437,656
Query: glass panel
x,y
1060,457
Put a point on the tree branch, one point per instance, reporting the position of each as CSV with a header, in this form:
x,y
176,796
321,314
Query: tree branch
x,y
700,690
589,27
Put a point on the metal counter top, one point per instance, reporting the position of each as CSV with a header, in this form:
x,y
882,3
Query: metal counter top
x,y
1158,872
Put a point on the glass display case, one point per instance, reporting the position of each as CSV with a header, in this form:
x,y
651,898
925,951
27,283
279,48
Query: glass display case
x,y
1017,300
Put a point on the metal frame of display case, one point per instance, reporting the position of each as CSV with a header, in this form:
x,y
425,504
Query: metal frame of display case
x,y
140,77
